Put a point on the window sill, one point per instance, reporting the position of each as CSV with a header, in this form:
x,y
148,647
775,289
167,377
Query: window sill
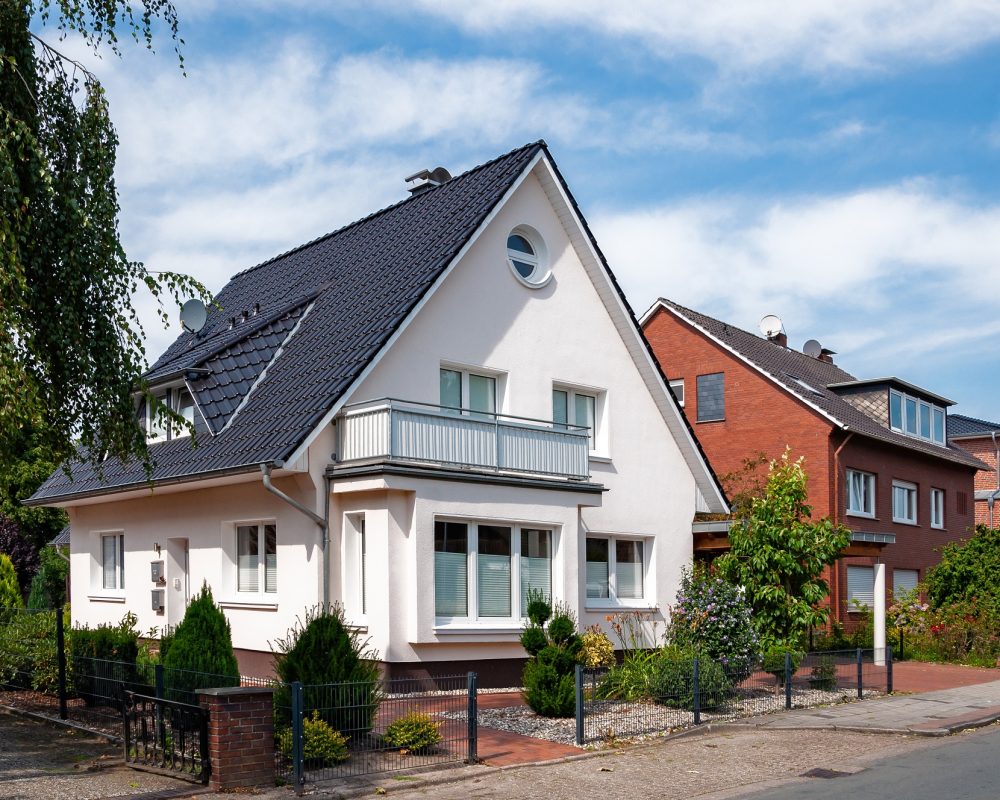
x,y
597,458
471,628
938,528
708,421
248,605
106,598
911,523
850,513
598,604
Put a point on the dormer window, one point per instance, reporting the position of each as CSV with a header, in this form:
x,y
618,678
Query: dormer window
x,y
915,417
159,429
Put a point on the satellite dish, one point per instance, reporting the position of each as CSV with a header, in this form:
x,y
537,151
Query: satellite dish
x,y
193,315
812,348
771,326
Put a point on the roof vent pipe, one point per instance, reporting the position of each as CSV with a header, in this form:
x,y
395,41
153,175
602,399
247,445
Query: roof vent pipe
x,y
427,179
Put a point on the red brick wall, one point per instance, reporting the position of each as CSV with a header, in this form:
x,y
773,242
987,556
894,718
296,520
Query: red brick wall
x,y
240,737
986,480
759,416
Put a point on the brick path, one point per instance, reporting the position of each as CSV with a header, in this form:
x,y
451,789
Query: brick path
x,y
917,676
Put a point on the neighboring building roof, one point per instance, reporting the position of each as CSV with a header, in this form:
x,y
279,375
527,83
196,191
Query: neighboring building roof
x,y
61,539
897,383
963,427
808,379
358,284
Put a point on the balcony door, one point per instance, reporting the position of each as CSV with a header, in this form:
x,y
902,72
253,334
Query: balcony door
x,y
463,391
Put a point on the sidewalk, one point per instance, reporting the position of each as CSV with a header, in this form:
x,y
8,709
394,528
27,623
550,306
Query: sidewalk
x,y
928,714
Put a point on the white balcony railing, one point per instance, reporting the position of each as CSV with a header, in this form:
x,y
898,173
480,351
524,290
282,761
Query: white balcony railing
x,y
397,430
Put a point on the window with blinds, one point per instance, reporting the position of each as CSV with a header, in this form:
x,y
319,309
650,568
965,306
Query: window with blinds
x,y
616,568
904,581
113,561
484,571
860,587
628,569
598,568
257,558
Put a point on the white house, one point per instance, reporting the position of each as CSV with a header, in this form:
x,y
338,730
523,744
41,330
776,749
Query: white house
x,y
420,416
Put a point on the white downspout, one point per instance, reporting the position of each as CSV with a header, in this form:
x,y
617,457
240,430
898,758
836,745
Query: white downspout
x,y
322,521
996,460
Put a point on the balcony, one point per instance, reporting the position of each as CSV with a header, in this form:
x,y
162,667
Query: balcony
x,y
417,433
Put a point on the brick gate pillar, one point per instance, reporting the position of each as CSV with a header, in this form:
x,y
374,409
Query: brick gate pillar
x,y
240,736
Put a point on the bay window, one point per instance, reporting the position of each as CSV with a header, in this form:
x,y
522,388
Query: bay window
x,y
257,558
483,571
615,568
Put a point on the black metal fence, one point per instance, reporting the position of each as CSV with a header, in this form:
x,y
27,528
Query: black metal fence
x,y
662,695
348,729
167,735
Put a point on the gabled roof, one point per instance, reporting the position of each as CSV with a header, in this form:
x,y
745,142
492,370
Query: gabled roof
x,y
806,378
298,331
361,281
963,427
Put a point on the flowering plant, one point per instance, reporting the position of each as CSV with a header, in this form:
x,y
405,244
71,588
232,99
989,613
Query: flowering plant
x,y
713,617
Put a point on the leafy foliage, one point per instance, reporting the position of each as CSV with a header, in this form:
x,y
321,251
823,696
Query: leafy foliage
x,y
774,662
321,744
597,650
19,550
549,676
30,462
963,631
824,674
632,679
70,339
968,571
778,554
337,666
102,659
713,618
415,732
10,590
48,587
28,650
200,655
672,680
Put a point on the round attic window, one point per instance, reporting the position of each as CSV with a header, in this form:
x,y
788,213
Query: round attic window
x,y
527,257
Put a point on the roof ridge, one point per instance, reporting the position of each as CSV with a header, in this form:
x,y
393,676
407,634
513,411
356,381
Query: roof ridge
x,y
367,218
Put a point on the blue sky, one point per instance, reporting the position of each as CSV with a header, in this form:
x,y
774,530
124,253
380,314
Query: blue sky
x,y
835,163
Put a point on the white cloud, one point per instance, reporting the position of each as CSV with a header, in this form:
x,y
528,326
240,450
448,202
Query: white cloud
x,y
817,35
885,275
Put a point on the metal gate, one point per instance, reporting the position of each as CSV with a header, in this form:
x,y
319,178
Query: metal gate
x,y
166,735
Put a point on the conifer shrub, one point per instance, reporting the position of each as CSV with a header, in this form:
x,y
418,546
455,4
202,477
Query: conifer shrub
x,y
415,732
774,661
10,590
337,667
321,744
200,655
554,649
102,662
48,587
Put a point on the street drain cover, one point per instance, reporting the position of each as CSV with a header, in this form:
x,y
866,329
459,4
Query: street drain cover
x,y
820,772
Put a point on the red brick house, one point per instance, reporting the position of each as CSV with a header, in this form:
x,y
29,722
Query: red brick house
x,y
876,451
981,439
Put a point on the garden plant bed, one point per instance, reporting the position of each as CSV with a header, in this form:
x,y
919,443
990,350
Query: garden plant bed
x,y
614,720
99,719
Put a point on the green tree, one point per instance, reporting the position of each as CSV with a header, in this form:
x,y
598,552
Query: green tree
x,y
10,591
778,555
201,654
968,570
32,460
71,342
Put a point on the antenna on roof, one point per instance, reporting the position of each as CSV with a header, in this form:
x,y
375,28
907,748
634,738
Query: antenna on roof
x,y
812,348
193,315
771,326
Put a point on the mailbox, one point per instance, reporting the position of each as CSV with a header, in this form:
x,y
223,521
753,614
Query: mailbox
x,y
158,601
156,572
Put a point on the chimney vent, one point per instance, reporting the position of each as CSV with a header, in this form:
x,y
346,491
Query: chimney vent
x,y
827,355
427,179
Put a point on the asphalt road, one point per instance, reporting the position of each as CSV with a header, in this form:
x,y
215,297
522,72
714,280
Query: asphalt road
x,y
966,767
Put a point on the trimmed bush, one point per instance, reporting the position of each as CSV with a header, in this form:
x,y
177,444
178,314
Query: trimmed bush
x,y
415,732
338,670
672,681
10,590
321,744
200,655
549,676
713,617
774,661
102,662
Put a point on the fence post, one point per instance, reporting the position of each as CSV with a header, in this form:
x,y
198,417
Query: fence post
x,y
298,754
696,681
579,704
888,669
860,676
788,680
902,655
473,716
161,729
61,661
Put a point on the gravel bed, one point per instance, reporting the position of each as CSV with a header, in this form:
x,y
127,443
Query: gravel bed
x,y
614,720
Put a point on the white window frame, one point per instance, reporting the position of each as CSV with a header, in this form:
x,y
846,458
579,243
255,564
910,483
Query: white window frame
x,y
171,396
675,384
598,446
262,592
613,601
517,614
912,502
937,519
851,597
541,274
466,371
355,566
118,569
162,434
905,420
868,490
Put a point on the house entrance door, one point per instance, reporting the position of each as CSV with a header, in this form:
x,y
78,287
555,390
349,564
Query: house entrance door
x,y
178,581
